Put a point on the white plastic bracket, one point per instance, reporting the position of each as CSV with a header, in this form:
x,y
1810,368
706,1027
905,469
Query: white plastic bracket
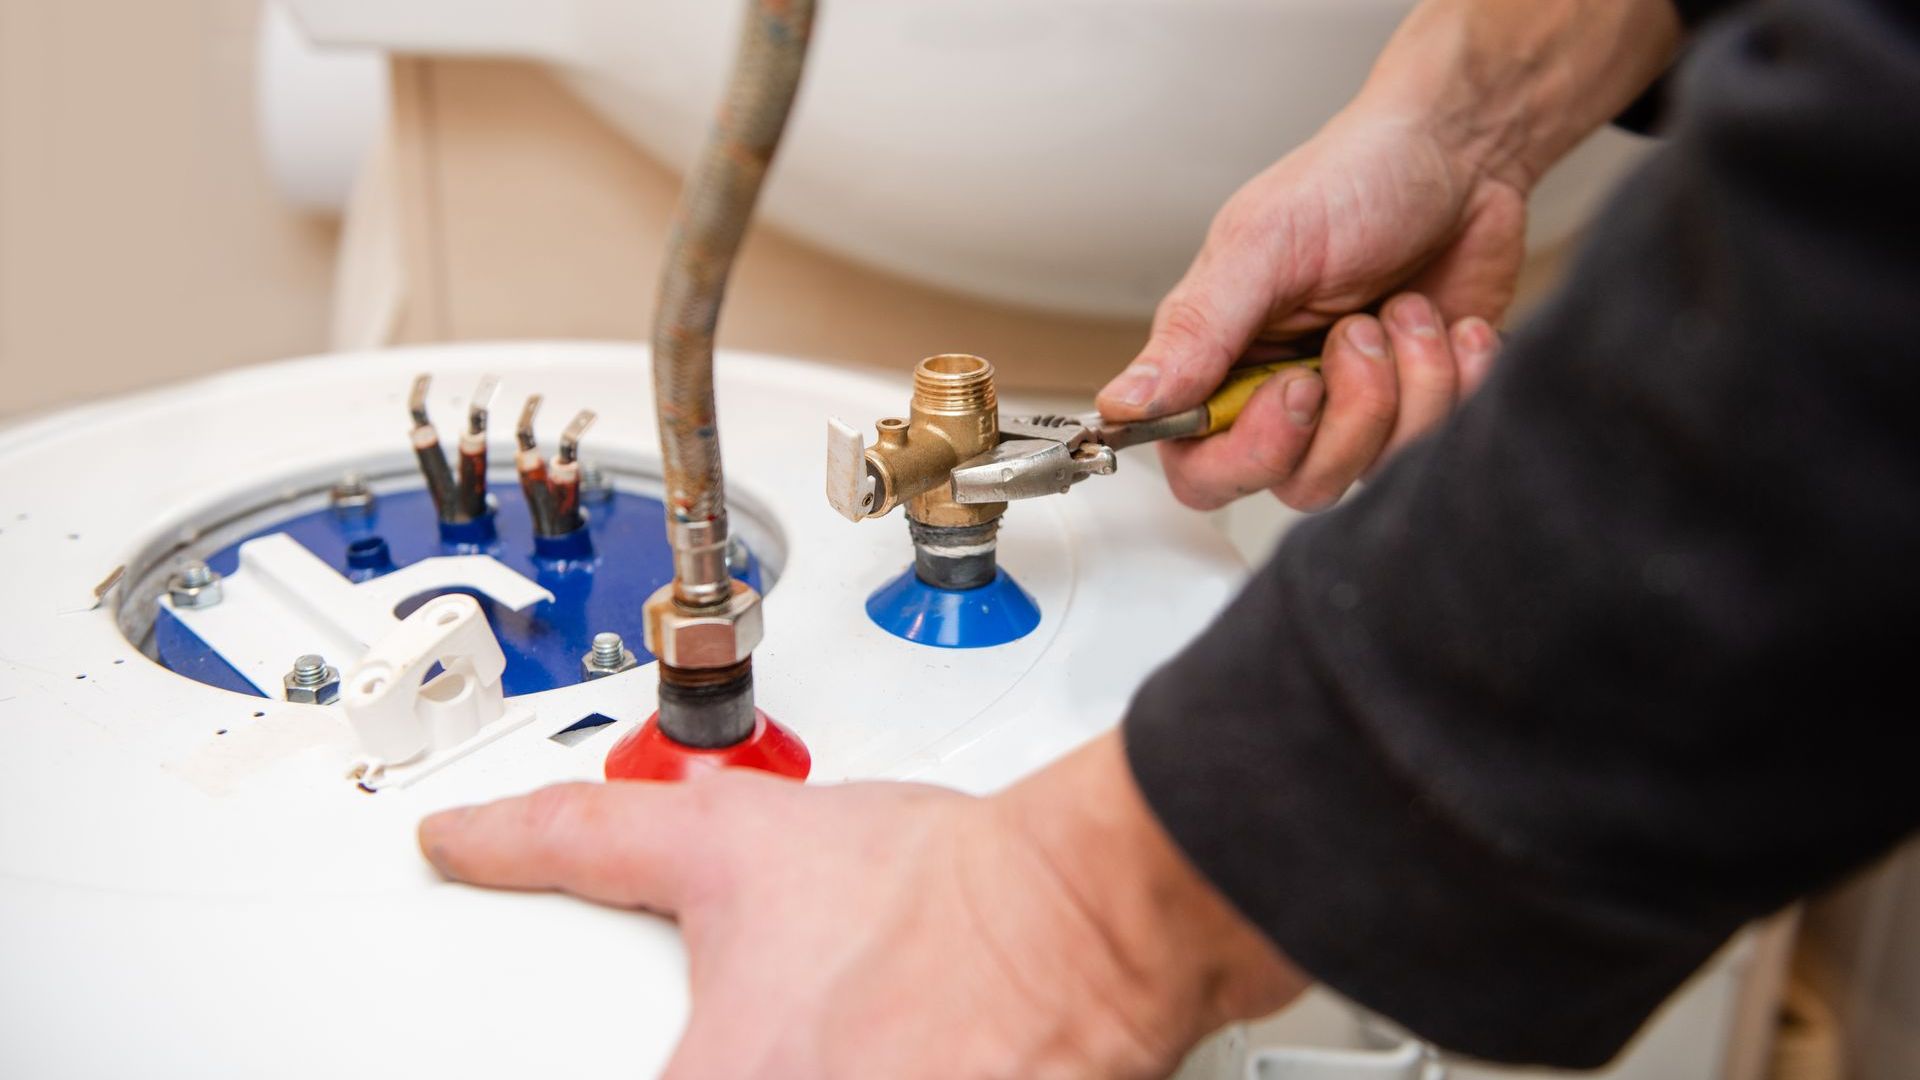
x,y
284,600
408,728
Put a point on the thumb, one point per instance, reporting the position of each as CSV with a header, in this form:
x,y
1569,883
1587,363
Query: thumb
x,y
624,844
1199,331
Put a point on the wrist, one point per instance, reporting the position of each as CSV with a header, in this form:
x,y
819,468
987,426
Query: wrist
x,y
1188,959
1507,87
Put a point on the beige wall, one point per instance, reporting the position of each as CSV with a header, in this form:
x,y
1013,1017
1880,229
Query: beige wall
x,y
140,241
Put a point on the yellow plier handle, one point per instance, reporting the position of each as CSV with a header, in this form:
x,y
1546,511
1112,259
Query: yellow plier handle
x,y
1223,408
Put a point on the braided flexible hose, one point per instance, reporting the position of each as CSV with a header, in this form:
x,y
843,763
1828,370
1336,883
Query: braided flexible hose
x,y
716,205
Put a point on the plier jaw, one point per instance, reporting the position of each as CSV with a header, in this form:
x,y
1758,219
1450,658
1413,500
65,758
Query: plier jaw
x,y
1036,456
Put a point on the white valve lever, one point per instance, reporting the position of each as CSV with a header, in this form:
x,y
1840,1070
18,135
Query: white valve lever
x,y
849,488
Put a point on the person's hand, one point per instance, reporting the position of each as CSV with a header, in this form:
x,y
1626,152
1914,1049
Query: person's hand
x,y
900,930
1418,186
1369,206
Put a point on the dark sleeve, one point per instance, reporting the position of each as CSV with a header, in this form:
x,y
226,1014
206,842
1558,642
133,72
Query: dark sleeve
x,y
1650,108
1618,659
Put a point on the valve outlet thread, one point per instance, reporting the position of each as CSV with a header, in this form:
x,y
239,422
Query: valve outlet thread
x,y
954,384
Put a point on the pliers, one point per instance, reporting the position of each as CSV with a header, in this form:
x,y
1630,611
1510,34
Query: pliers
x,y
1047,454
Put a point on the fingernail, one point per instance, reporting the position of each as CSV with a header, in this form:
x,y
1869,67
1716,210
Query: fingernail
x,y
1366,336
1302,396
1416,316
1134,386
1480,334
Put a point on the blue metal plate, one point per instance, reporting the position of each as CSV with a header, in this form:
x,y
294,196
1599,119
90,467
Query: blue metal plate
x,y
599,582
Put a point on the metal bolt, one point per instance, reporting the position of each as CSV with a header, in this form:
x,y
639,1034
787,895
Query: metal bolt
x,y
351,495
594,485
309,669
609,656
607,649
738,558
194,585
312,681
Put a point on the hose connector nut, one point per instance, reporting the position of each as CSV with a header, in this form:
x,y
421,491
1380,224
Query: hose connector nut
x,y
706,638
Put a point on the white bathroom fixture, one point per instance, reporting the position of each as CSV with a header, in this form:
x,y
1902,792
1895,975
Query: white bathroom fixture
x,y
214,872
1060,154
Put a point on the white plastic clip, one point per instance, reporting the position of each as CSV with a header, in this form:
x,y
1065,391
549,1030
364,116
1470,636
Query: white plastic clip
x,y
407,729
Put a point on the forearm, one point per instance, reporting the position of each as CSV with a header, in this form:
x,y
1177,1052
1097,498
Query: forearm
x,y
1512,85
1579,685
1188,956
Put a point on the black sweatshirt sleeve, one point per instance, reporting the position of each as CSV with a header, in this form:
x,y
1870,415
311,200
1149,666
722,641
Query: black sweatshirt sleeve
x,y
1615,661
1648,110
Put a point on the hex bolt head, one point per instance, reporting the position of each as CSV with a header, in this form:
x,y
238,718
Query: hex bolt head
x,y
194,585
609,656
312,681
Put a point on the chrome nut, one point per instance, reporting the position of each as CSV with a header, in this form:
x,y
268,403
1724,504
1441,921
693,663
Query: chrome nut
x,y
706,639
194,586
323,692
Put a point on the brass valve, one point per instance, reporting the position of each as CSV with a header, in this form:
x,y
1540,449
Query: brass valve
x,y
954,416
955,462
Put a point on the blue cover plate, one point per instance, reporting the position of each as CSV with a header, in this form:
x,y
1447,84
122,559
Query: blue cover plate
x,y
599,581
993,614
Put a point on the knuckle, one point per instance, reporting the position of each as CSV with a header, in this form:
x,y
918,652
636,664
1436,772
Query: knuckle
x,y
1182,320
1377,404
1429,376
1275,458
1233,227
711,799
704,795
555,812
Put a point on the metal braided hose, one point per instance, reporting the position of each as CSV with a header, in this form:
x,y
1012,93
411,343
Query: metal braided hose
x,y
716,205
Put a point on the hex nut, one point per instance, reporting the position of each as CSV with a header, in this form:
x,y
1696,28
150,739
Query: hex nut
x,y
715,639
595,487
194,590
351,495
591,670
324,692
